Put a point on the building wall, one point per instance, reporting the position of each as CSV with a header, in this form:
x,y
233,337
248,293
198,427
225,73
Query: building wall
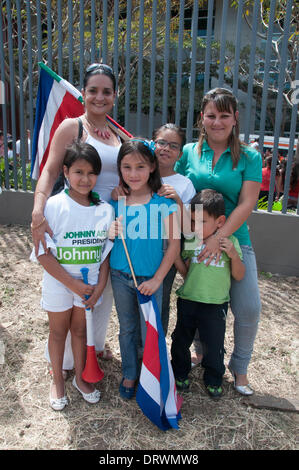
x,y
275,238
16,207
231,25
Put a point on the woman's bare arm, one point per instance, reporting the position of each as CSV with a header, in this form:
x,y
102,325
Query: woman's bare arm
x,y
65,134
247,200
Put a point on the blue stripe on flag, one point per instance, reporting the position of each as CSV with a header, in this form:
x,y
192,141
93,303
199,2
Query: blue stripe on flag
x,y
151,409
44,90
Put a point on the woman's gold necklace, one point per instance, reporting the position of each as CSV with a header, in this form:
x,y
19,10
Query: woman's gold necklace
x,y
104,134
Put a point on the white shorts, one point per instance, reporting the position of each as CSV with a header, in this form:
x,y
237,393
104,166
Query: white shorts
x,y
56,297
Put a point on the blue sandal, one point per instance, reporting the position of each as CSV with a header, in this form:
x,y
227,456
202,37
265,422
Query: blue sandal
x,y
126,392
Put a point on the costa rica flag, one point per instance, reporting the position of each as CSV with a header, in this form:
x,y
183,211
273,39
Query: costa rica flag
x,y
57,99
156,392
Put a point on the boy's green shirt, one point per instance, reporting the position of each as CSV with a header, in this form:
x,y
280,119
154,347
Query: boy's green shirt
x,y
207,284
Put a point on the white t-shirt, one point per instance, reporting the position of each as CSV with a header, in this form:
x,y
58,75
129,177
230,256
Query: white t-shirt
x,y
255,145
183,186
79,235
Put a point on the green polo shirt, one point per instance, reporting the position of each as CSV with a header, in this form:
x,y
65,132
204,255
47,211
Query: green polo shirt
x,y
223,178
207,284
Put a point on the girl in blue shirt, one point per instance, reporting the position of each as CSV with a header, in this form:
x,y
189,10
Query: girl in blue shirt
x,y
145,219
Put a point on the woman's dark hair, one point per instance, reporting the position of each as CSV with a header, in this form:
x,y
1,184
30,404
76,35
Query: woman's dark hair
x,y
82,151
268,161
171,127
212,202
141,147
294,174
99,69
268,164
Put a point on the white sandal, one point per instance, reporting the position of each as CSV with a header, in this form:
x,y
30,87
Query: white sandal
x,y
92,397
58,403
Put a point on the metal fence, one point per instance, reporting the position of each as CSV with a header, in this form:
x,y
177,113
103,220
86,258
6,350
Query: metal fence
x,y
165,55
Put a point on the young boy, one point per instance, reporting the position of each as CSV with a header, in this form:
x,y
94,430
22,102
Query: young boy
x,y
203,298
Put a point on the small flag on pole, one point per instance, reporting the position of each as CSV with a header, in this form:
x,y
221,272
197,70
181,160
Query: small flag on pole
x,y
57,99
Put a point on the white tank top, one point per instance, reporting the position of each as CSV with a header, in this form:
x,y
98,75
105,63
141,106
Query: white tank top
x,y
108,178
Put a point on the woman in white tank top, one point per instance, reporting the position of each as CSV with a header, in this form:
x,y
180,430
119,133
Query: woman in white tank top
x,y
108,178
99,92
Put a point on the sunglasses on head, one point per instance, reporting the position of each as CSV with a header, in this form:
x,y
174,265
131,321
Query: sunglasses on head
x,y
93,67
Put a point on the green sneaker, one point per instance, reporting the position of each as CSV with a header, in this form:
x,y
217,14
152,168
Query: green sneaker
x,y
214,392
182,384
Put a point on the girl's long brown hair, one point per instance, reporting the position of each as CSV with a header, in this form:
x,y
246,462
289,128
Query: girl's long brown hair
x,y
224,101
139,146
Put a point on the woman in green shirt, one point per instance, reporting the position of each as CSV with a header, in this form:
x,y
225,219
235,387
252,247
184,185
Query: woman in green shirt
x,y
220,161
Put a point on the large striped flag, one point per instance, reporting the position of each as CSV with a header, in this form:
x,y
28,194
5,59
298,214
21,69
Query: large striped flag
x,y
156,393
57,99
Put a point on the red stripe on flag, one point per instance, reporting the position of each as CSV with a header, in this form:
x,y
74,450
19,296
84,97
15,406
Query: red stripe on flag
x,y
70,107
179,402
150,360
118,125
